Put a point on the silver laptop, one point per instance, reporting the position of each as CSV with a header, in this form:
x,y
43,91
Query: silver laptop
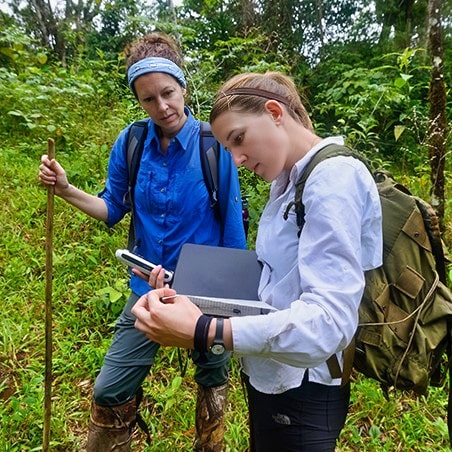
x,y
220,281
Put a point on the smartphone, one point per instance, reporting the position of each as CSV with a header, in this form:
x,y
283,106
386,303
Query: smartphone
x,y
135,261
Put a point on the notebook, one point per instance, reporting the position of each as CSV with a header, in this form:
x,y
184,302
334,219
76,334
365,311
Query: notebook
x,y
220,281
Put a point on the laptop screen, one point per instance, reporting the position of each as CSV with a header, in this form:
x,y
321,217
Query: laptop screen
x,y
219,272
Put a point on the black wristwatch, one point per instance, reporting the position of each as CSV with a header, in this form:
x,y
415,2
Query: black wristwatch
x,y
218,342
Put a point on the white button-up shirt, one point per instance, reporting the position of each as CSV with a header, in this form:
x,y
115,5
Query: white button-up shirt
x,y
316,281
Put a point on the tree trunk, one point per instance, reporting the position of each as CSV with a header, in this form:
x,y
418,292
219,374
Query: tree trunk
x,y
319,9
437,101
50,33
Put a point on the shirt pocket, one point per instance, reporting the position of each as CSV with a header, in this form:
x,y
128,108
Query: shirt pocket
x,y
188,198
147,191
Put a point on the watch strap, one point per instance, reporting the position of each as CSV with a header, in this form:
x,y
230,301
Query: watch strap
x,y
202,333
219,332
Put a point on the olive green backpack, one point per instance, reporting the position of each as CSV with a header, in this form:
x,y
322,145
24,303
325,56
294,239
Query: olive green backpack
x,y
405,316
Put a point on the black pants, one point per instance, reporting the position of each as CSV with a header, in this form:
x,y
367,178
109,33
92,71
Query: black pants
x,y
305,419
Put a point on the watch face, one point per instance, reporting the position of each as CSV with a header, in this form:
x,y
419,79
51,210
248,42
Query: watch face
x,y
217,349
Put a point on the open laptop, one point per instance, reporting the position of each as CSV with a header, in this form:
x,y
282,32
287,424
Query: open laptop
x,y
220,281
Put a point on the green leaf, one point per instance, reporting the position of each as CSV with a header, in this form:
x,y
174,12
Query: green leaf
x,y
16,113
7,51
177,381
399,82
398,130
374,431
115,295
42,58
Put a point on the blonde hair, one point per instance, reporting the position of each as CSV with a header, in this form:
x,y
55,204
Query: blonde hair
x,y
248,93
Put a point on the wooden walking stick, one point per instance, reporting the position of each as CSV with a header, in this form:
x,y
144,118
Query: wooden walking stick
x,y
48,307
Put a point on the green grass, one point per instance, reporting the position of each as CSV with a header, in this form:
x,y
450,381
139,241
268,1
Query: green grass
x,y
89,289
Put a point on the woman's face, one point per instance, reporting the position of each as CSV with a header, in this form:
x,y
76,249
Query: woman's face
x,y
256,141
162,98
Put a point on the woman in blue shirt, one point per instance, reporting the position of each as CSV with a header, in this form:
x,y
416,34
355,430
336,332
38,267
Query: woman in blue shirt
x,y
171,207
315,280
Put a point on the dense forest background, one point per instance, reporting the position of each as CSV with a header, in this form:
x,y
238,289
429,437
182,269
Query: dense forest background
x,y
376,71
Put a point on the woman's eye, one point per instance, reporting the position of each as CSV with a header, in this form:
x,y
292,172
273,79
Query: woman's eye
x,y
239,138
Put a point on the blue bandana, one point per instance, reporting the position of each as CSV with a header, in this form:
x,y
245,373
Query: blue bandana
x,y
154,64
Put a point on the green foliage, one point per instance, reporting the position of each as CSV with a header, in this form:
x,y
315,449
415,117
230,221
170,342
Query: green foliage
x,y
83,106
62,103
384,425
210,21
14,49
120,22
207,69
380,111
256,191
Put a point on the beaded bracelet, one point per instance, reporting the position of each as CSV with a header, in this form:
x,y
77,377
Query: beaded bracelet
x,y
202,333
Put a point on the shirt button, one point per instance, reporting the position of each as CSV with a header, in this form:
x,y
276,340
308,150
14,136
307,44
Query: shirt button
x,y
162,190
162,215
165,164
159,242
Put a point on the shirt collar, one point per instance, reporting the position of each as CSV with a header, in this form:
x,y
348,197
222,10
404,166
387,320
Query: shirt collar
x,y
186,132
286,182
183,136
299,167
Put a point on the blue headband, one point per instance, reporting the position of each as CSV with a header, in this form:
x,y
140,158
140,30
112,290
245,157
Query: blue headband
x,y
154,64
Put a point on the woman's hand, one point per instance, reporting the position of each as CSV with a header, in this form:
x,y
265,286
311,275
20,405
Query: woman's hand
x,y
51,173
155,278
169,322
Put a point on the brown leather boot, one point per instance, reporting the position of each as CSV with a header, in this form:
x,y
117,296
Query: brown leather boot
x,y
210,407
111,428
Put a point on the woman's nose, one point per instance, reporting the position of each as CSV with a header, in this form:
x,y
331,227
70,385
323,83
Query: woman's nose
x,y
238,158
162,105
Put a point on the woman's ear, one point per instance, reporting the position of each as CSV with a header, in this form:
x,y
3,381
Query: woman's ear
x,y
275,109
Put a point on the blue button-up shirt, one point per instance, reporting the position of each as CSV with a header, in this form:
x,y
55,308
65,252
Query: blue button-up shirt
x,y
171,200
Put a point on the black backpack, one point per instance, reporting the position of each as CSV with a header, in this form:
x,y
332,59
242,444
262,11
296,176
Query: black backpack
x,y
404,336
209,152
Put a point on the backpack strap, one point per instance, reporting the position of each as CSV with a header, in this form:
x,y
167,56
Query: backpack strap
x,y
332,150
210,153
135,144
432,227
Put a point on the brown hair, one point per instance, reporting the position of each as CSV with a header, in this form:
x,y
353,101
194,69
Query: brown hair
x,y
248,93
153,45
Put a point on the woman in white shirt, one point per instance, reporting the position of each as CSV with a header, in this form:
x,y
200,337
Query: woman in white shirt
x,y
315,281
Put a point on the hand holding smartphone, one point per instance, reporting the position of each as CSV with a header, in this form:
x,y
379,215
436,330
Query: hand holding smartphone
x,y
134,261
